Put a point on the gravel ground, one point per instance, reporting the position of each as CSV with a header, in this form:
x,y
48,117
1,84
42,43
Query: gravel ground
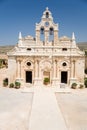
x,y
74,108
15,108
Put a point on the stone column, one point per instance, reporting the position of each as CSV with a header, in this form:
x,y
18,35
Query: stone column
x,y
55,36
46,36
54,73
38,79
73,68
36,69
18,68
37,36
54,69
57,70
73,79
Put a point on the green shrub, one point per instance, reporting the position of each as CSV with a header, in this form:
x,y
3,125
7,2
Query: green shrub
x,y
17,85
74,85
85,82
46,80
5,82
11,85
81,86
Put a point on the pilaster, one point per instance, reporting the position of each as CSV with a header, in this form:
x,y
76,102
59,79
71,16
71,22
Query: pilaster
x,y
55,37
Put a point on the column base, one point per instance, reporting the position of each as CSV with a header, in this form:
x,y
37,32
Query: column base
x,y
73,80
38,82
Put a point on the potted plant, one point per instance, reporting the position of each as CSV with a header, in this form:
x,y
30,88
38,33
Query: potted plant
x,y
5,82
46,81
81,86
85,82
74,85
11,85
17,85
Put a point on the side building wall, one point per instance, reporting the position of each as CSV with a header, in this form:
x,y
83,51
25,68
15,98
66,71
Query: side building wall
x,y
11,69
80,65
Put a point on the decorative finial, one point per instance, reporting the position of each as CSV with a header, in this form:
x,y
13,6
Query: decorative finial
x,y
20,35
47,8
73,38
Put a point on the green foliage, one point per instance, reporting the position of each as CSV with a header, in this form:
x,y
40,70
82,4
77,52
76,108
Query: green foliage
x,y
85,82
85,53
74,85
5,82
17,85
3,63
11,85
81,86
46,80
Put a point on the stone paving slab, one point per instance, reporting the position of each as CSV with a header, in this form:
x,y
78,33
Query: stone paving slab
x,y
45,114
54,89
74,108
15,109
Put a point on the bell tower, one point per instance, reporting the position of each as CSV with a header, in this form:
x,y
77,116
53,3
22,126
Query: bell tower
x,y
47,30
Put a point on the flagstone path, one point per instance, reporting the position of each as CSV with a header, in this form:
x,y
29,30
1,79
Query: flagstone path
x,y
45,113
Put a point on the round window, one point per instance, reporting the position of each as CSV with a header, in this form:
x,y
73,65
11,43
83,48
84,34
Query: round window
x,y
28,63
64,64
46,24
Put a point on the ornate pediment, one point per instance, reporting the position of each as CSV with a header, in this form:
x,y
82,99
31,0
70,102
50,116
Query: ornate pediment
x,y
29,38
65,38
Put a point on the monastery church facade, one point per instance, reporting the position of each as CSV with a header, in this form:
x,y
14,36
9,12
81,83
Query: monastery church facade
x,y
46,56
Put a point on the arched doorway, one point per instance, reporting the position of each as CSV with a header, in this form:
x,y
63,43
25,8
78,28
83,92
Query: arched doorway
x,y
46,75
46,67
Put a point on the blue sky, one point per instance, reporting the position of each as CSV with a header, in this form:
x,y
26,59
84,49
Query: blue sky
x,y
21,15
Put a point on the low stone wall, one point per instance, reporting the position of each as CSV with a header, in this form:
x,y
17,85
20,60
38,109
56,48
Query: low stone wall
x,y
3,56
3,75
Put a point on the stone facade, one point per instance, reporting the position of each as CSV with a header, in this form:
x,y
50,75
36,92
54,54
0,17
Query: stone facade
x,y
46,55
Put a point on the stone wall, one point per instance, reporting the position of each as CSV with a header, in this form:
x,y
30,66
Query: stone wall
x,y
3,75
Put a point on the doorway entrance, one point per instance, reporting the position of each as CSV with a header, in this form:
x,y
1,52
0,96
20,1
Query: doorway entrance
x,y
28,76
64,76
46,76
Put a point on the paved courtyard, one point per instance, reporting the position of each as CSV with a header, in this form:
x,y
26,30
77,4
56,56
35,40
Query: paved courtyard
x,y
74,108
15,108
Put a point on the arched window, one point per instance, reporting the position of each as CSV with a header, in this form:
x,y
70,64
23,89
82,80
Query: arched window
x,y
42,30
42,34
51,34
47,14
51,31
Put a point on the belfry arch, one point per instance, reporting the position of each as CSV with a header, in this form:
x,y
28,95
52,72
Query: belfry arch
x,y
51,34
42,35
47,30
